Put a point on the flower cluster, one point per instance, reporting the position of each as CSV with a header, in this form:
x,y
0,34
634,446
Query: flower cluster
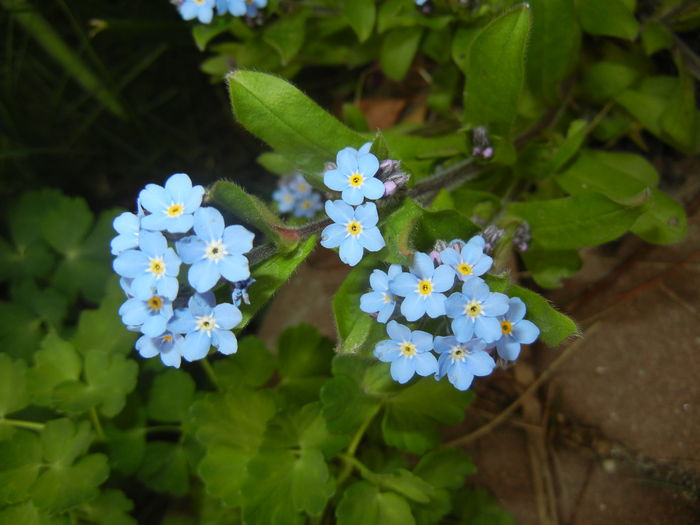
x,y
296,196
172,228
480,320
203,10
355,224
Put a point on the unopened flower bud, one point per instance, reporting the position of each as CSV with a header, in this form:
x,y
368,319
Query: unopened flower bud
x,y
482,145
390,188
435,256
522,237
328,166
492,234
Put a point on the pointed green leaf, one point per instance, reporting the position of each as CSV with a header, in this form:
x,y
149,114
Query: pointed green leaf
x,y
607,18
549,267
286,34
13,385
111,507
663,221
253,365
406,484
290,122
496,76
20,461
398,49
171,395
364,503
445,468
360,14
396,230
56,362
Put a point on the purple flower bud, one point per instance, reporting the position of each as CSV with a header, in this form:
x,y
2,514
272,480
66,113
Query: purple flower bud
x,y
488,153
389,188
522,237
482,145
435,256
492,234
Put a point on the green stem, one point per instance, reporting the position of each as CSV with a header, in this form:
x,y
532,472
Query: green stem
x,y
209,370
96,423
19,423
352,449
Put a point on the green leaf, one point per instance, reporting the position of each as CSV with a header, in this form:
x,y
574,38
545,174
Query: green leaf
x,y
287,120
587,219
21,330
171,395
252,366
648,101
56,362
492,93
396,230
13,385
656,36
399,46
680,120
25,513
276,163
165,469
66,225
111,507
50,305
549,267
361,15
445,468
663,221
445,225
476,506
231,436
410,417
354,117
203,34
364,503
554,47
554,326
286,34
611,76
66,482
607,18
24,261
270,275
126,448
624,178
20,461
253,211
406,484
346,405
575,135
461,42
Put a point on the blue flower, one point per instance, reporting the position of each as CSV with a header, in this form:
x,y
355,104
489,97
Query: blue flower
x,y
205,323
154,265
408,352
515,330
354,230
201,9
299,185
470,260
127,225
171,207
215,251
423,287
285,199
240,292
168,345
150,315
462,361
245,7
474,311
308,205
381,300
354,175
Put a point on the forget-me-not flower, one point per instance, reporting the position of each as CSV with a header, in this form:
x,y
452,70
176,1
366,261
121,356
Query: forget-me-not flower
x,y
200,9
308,205
469,261
515,330
168,345
354,231
380,300
355,175
153,265
474,311
423,288
460,362
128,226
245,7
205,323
215,250
171,206
408,352
150,315
285,198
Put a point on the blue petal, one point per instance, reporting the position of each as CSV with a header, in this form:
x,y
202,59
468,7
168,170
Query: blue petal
x,y
196,346
477,240
443,278
367,215
126,223
130,263
178,186
205,14
340,211
364,149
155,222
449,256
172,262
459,376
525,332
208,224
225,341
373,189
476,289
444,344
145,347
124,242
379,281
182,322
413,307
237,7
516,310
386,351
394,270
203,275
333,235
371,239
347,160
386,312
463,328
487,328
171,358
167,287
350,251
480,363
435,305
133,312
425,364
402,370
353,196
423,265
227,316
495,304
368,165
398,332
372,302
454,306
153,243
482,265
181,224
188,10
444,365
142,286
508,348
154,326
471,254
153,197
422,340
335,180
234,268
404,284
190,249
238,239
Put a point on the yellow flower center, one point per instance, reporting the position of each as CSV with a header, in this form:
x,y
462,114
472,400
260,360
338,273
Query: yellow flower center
x,y
387,298
302,188
473,309
166,338
155,303
156,266
506,327
354,228
287,198
408,349
306,205
206,323
215,250
356,180
175,210
464,269
458,353
425,287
